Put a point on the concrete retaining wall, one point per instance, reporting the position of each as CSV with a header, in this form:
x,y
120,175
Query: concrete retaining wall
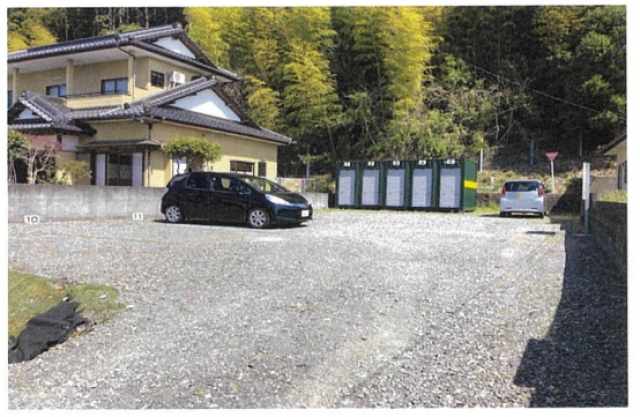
x,y
76,202
60,202
608,225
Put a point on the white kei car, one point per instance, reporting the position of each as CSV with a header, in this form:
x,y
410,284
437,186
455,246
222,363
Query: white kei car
x,y
522,196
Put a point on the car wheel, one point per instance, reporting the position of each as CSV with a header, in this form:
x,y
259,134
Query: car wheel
x,y
173,214
503,214
258,218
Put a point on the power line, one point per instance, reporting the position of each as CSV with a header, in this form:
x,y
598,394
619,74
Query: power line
x,y
536,91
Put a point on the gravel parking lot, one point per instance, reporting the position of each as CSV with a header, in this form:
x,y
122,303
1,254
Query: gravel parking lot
x,y
354,309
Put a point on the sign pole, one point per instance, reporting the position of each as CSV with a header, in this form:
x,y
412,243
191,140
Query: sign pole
x,y
552,156
553,179
586,191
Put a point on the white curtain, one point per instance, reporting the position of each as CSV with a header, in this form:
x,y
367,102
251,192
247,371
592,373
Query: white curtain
x,y
137,170
179,165
101,167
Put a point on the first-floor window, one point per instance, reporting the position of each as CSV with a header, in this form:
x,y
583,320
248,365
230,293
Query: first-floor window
x,y
262,169
242,167
10,97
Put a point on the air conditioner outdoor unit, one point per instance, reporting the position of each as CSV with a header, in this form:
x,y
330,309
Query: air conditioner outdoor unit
x,y
177,77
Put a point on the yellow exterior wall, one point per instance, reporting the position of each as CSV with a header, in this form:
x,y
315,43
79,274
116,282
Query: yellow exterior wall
x,y
119,130
86,158
164,68
36,82
87,78
232,148
62,158
159,164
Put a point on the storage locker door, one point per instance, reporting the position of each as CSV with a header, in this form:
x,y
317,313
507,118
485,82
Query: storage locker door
x,y
395,188
421,195
370,187
347,188
450,184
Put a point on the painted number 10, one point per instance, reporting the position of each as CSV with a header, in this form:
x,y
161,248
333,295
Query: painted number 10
x,y
32,219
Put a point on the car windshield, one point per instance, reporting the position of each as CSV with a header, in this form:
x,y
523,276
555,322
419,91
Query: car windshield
x,y
520,186
264,185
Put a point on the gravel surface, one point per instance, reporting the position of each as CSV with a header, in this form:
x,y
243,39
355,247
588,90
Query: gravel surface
x,y
356,309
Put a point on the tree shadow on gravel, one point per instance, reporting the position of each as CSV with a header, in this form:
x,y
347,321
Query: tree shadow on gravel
x,y
582,362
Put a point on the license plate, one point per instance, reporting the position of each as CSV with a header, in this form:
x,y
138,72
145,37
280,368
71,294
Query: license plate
x,y
304,213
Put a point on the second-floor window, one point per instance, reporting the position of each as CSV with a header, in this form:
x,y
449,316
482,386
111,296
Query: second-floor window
x,y
59,90
157,79
115,86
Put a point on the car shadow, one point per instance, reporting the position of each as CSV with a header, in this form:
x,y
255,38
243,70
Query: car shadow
x,y
236,225
582,361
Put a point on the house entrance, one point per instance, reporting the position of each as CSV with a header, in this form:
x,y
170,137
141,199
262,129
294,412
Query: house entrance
x,y
117,169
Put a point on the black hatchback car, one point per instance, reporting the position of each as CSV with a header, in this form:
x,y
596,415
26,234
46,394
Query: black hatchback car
x,y
233,198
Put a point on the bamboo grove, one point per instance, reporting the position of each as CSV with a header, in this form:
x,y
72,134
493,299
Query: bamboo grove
x,y
396,82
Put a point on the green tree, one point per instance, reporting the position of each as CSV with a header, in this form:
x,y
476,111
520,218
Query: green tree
x,y
17,146
585,68
37,152
68,173
26,29
198,151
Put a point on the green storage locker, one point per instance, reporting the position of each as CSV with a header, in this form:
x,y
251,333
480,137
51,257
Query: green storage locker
x,y
370,184
450,192
423,183
457,184
447,184
470,185
396,184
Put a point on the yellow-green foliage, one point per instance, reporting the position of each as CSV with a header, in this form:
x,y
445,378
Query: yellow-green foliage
x,y
196,150
618,196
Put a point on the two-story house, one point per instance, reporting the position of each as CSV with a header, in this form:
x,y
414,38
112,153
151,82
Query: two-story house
x,y
115,100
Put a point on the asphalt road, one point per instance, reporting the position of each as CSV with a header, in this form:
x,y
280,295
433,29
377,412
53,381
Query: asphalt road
x,y
356,309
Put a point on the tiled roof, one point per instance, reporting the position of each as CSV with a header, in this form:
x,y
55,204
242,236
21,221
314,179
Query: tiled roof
x,y
156,106
172,94
198,119
52,112
140,38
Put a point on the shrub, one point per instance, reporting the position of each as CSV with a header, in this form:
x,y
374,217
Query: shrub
x,y
196,150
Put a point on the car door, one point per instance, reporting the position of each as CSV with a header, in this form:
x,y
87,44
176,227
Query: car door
x,y
195,196
231,199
